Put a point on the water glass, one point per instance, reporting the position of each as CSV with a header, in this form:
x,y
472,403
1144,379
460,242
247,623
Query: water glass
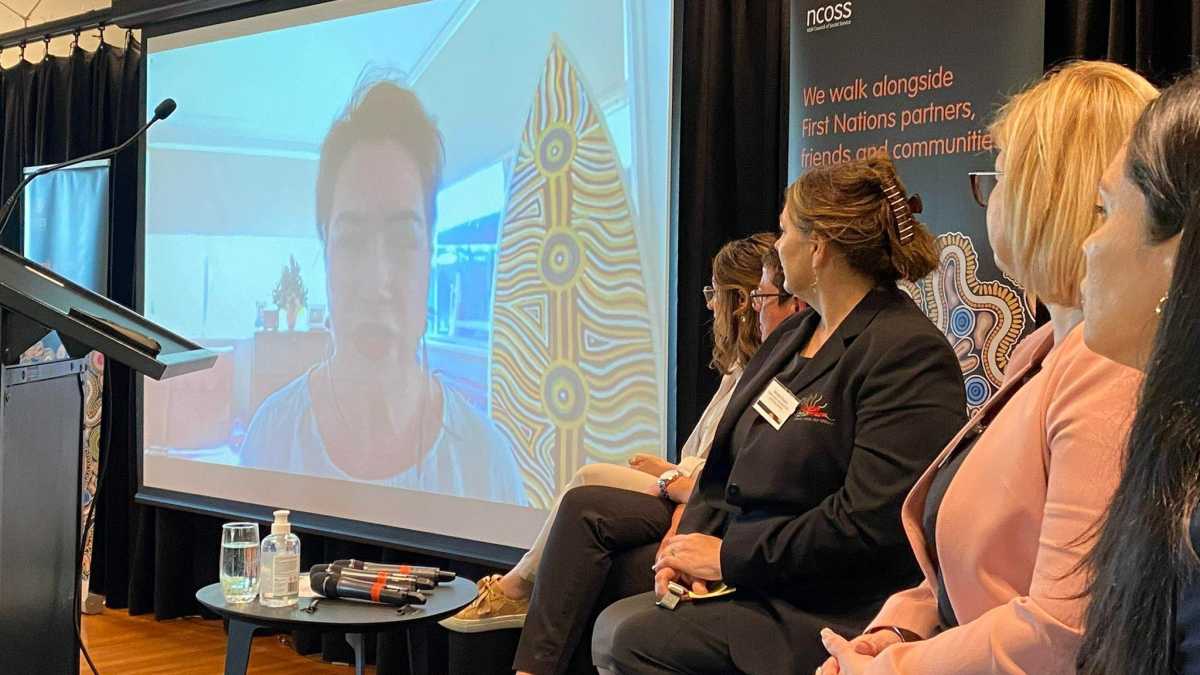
x,y
239,562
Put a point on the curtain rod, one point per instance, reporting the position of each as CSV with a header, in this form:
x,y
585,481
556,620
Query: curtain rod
x,y
57,28
135,18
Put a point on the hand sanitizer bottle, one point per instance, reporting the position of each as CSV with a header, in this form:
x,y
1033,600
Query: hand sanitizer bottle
x,y
279,565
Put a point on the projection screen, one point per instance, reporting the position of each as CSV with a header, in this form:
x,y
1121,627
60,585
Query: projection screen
x,y
431,243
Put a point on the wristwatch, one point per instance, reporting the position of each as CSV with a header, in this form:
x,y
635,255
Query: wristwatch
x,y
664,481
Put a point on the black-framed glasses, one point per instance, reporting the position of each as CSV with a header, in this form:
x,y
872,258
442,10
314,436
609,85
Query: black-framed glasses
x,y
709,293
757,299
982,184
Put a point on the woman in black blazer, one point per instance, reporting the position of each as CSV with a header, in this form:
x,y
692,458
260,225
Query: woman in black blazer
x,y
804,520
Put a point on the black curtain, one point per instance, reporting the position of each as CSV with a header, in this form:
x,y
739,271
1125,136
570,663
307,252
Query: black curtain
x,y
63,107
1158,38
66,106
733,100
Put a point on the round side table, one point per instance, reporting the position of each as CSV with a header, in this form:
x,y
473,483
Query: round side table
x,y
352,617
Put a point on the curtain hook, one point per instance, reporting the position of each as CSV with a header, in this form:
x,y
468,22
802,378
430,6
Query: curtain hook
x,y
22,50
101,27
75,39
46,41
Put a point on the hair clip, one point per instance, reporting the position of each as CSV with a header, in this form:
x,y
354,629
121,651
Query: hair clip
x,y
901,210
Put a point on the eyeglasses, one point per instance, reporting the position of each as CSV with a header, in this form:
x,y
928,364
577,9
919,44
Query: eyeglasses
x,y
757,300
982,184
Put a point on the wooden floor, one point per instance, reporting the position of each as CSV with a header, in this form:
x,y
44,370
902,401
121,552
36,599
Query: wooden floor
x,y
139,645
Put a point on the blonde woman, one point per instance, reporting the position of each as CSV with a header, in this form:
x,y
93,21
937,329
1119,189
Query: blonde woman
x,y
998,523
737,268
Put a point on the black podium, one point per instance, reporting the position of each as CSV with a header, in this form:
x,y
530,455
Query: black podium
x,y
41,432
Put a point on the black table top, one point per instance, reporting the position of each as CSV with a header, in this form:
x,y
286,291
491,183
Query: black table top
x,y
333,613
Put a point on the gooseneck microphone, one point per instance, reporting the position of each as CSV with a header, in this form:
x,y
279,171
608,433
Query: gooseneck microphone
x,y
161,112
331,586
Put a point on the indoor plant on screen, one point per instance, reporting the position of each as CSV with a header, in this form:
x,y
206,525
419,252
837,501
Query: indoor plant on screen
x,y
290,295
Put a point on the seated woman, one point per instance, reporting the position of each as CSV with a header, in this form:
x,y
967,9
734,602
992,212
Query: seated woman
x,y
1141,308
999,522
834,419
737,267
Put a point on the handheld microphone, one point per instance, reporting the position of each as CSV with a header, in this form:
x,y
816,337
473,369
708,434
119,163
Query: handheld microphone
x,y
331,586
161,112
401,582
438,575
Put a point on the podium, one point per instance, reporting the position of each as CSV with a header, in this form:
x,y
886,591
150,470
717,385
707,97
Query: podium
x,y
41,431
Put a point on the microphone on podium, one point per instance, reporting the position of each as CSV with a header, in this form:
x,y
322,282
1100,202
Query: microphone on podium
x,y
336,586
161,112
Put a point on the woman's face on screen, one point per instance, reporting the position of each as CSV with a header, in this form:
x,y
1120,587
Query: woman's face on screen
x,y
377,254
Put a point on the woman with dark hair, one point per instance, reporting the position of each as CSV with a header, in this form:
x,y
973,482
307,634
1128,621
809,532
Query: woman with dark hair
x,y
839,412
503,600
1141,308
996,523
772,302
372,410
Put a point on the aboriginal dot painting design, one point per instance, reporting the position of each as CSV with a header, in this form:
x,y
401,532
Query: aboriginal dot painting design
x,y
572,367
983,320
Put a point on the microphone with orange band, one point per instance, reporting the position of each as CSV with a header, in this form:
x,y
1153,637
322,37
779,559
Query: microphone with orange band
x,y
401,582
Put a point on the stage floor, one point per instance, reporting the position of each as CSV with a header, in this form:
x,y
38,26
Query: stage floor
x,y
139,645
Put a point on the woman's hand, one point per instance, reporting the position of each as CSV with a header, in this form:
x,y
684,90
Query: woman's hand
x,y
666,575
694,555
852,657
675,518
655,466
870,644
680,489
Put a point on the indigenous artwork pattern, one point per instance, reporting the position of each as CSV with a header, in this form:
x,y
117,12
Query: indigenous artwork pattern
x,y
572,366
983,320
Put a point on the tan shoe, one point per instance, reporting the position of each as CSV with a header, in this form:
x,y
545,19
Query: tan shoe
x,y
490,610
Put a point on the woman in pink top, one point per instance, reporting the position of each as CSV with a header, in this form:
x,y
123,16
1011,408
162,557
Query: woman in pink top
x,y
998,523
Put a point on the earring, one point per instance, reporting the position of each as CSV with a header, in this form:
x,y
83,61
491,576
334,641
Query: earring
x,y
743,318
1158,310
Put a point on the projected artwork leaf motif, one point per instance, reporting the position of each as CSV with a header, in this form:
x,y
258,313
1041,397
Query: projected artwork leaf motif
x,y
572,367
983,320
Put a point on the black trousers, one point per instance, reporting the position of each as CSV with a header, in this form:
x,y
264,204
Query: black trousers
x,y
636,636
601,548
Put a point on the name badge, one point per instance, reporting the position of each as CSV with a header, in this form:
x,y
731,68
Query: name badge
x,y
776,404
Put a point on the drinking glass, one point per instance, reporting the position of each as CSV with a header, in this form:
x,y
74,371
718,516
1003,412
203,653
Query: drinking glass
x,y
239,562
